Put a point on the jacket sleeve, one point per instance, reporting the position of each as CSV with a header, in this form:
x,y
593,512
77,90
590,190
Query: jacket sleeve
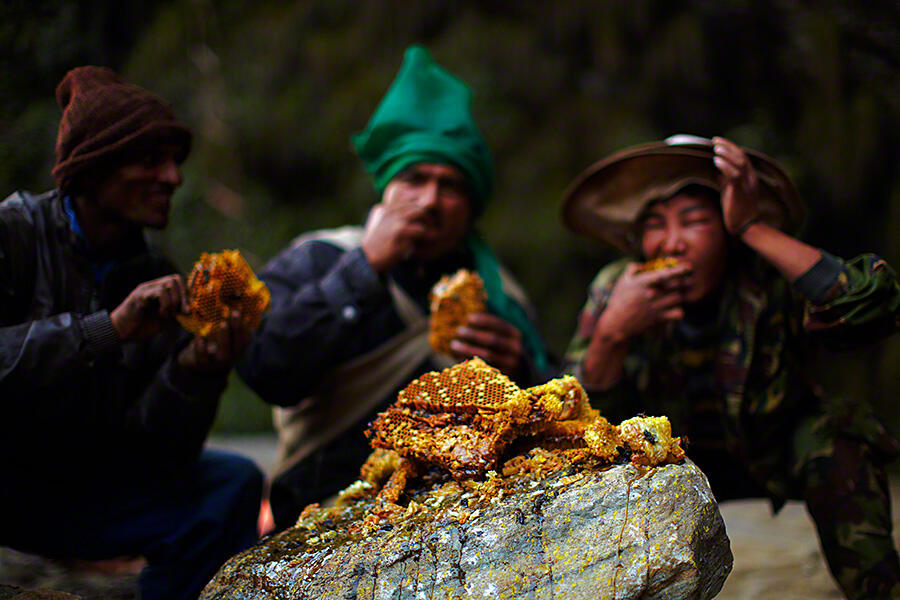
x,y
71,369
42,354
39,355
848,304
598,295
610,402
322,298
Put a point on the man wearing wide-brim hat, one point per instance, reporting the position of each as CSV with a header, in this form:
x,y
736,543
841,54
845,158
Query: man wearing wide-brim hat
x,y
717,338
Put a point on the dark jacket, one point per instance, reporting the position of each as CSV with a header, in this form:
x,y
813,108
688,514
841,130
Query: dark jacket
x,y
77,405
329,306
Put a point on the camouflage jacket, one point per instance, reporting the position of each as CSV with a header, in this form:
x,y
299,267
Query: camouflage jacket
x,y
770,407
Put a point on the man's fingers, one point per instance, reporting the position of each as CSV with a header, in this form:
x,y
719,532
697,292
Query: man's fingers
x,y
728,149
170,301
239,336
486,339
495,359
490,331
223,346
673,314
631,269
146,305
485,320
403,211
729,170
662,276
733,161
667,301
750,178
181,289
491,338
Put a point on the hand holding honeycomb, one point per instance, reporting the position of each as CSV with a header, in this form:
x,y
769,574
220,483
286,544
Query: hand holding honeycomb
x,y
219,284
453,299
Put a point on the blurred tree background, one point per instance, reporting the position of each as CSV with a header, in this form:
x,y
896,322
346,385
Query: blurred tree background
x,y
274,89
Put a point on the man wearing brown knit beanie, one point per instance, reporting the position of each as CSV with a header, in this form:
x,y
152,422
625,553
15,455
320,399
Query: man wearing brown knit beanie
x,y
105,402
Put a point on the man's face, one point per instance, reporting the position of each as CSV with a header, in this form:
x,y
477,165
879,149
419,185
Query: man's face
x,y
139,192
690,229
442,194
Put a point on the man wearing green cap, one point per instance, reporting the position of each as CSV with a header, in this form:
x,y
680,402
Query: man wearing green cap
x,y
719,341
348,326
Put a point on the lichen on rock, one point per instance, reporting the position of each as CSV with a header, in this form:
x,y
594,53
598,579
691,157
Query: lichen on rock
x,y
617,533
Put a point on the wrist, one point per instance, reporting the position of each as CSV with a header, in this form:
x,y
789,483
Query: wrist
x,y
379,264
609,333
740,231
100,332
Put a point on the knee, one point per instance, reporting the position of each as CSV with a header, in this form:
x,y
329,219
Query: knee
x,y
233,475
245,472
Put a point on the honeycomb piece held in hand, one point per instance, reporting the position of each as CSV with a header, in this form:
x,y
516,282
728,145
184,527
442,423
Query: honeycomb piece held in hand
x,y
453,299
218,284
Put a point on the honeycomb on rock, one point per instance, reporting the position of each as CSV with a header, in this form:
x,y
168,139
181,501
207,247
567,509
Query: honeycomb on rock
x,y
452,300
650,438
464,420
218,284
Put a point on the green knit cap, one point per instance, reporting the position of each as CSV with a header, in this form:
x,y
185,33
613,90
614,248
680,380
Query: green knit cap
x,y
426,117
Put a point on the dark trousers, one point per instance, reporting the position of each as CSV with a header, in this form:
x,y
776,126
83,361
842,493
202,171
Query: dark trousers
x,y
845,489
185,527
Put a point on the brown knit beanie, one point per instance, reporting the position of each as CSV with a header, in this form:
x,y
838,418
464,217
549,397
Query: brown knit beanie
x,y
104,116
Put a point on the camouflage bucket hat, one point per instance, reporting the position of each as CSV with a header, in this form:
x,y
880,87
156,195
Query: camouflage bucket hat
x,y
606,199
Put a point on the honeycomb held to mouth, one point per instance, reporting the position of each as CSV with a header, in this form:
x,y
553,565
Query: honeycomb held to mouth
x,y
660,262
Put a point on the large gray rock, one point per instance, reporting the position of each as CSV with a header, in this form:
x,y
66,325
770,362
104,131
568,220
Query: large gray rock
x,y
617,533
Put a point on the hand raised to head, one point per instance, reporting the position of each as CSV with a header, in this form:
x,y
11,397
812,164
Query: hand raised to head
x,y
739,184
390,233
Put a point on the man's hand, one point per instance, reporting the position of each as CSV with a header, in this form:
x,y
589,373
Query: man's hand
x,y
739,185
637,302
149,308
491,338
391,232
220,350
641,300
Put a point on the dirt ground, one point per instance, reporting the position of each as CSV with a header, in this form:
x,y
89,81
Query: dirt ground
x,y
774,557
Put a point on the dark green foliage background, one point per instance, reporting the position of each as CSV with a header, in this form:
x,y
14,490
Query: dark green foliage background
x,y
274,89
